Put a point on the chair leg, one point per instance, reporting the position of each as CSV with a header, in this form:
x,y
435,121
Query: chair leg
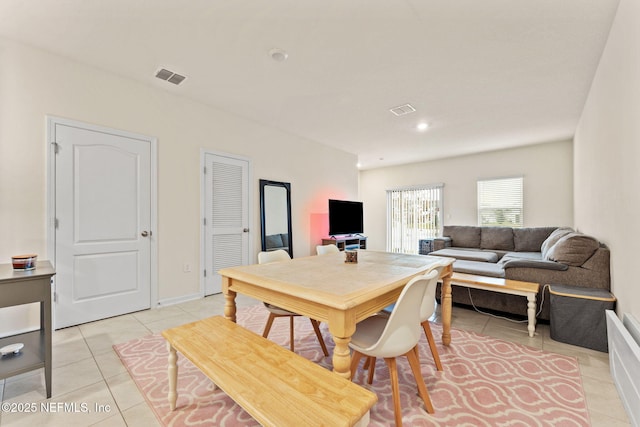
x,y
267,327
371,361
291,333
355,359
432,344
422,388
316,328
395,388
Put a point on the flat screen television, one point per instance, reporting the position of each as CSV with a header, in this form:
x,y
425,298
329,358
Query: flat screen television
x,y
345,217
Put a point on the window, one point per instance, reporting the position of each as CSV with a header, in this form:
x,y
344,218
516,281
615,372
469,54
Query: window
x,y
412,214
500,202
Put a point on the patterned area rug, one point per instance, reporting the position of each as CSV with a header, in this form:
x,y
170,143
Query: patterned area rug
x,y
485,382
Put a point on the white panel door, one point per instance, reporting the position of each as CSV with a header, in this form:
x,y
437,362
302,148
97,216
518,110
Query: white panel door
x,y
102,236
226,222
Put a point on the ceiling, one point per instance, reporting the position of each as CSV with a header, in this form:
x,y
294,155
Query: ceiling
x,y
484,75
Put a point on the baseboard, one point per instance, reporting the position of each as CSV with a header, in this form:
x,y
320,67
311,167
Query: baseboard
x,y
178,300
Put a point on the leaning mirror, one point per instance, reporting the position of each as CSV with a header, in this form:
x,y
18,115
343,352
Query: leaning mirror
x,y
275,215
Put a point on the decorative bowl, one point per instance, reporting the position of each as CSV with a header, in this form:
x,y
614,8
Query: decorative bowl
x,y
24,262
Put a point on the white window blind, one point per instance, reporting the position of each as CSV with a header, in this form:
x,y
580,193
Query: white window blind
x,y
412,214
500,202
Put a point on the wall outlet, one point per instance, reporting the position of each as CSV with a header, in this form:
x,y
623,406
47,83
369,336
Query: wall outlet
x,y
186,268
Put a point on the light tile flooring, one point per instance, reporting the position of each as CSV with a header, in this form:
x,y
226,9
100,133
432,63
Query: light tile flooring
x,y
87,371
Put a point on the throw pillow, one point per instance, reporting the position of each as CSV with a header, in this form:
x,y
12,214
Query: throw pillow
x,y
573,249
553,239
531,239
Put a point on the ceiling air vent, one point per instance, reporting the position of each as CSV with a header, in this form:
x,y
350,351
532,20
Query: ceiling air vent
x,y
170,76
402,110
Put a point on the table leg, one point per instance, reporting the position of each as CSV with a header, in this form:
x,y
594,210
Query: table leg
x,y
230,305
173,376
342,325
446,309
342,357
531,313
47,328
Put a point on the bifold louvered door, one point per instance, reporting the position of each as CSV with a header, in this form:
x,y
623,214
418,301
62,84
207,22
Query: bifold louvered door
x,y
226,222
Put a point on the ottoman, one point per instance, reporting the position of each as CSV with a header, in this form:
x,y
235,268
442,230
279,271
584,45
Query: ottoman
x,y
577,315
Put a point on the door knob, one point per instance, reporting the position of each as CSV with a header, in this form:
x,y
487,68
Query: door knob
x,y
145,233
245,230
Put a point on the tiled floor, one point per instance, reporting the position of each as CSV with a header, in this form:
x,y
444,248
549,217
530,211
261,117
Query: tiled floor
x,y
87,371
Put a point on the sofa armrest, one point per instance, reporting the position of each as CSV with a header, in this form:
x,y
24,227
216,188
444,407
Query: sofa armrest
x,y
441,243
534,263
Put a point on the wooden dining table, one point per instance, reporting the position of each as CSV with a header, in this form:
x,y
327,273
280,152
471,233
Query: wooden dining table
x,y
327,289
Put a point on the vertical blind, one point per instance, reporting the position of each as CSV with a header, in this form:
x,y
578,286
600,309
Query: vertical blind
x,y
412,214
500,202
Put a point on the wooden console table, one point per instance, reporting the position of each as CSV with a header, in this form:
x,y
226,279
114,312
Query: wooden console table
x,y
24,287
506,286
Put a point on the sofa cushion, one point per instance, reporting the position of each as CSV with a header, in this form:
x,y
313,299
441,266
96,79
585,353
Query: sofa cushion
x,y
553,238
480,256
480,268
520,255
500,238
530,239
573,249
463,236
533,263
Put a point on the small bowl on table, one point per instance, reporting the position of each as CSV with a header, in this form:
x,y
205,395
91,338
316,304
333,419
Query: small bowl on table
x,y
24,262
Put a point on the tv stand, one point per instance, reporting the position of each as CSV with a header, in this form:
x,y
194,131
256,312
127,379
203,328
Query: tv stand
x,y
347,242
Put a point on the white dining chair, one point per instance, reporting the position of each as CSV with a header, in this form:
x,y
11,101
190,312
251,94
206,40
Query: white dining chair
x,y
394,336
326,249
281,255
427,309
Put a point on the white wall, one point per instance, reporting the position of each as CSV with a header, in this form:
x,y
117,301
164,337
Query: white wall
x,y
607,156
34,84
548,186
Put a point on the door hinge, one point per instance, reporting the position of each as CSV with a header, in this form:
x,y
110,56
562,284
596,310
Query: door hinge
x,y
204,170
204,221
205,273
55,297
56,223
56,147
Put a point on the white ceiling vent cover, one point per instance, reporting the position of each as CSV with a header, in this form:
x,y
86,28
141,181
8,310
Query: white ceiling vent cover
x,y
170,76
402,110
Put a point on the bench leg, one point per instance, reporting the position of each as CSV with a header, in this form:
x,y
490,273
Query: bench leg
x,y
531,313
173,377
364,421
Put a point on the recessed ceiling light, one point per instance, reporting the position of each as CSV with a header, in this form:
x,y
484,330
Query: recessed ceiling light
x,y
422,126
278,54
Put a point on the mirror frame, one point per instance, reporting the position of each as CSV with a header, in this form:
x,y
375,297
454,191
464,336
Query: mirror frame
x,y
287,186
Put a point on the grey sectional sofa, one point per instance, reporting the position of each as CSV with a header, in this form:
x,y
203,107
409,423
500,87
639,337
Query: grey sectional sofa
x,y
274,242
545,255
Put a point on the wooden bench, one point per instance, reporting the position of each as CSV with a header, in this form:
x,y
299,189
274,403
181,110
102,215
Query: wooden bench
x,y
274,385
